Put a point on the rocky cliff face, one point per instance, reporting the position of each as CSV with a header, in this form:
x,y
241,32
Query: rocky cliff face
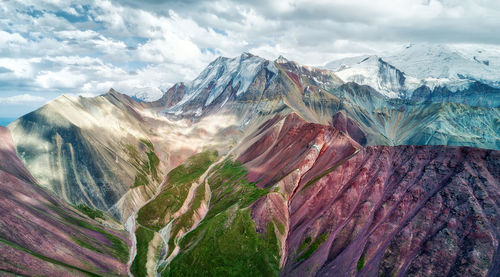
x,y
476,94
41,235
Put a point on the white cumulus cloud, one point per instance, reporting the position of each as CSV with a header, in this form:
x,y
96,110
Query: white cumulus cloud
x,y
22,99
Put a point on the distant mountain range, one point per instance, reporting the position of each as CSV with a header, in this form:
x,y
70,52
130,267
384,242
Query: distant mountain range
x,y
452,70
434,72
375,166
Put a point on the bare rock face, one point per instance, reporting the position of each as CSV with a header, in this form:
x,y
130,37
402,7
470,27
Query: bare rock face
x,y
171,97
475,94
42,235
281,148
345,124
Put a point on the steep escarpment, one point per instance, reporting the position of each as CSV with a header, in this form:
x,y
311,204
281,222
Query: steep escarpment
x,y
41,235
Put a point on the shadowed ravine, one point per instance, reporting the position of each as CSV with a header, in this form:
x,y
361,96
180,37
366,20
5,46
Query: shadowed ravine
x,y
130,226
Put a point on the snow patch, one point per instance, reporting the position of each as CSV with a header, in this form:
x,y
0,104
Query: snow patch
x,y
148,94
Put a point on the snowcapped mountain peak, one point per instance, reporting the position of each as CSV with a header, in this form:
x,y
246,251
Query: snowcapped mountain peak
x,y
239,72
148,94
425,60
370,70
281,59
449,64
246,55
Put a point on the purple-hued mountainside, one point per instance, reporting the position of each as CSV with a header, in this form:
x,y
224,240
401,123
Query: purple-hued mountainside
x,y
41,235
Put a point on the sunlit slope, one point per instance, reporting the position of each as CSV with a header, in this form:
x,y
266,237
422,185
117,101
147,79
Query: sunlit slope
x,y
89,150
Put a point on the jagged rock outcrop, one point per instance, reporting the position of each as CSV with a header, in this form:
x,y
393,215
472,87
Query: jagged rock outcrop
x,y
476,94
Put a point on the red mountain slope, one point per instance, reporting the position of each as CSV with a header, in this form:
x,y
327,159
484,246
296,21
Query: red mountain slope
x,y
390,211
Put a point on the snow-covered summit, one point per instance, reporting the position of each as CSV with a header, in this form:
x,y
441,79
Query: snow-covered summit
x,y
416,65
148,94
438,61
374,72
239,71
236,73
488,55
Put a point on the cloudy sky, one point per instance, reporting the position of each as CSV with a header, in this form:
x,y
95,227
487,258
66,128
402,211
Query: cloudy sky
x,y
51,47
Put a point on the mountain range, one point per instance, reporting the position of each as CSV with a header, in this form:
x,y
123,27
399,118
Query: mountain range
x,y
369,166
